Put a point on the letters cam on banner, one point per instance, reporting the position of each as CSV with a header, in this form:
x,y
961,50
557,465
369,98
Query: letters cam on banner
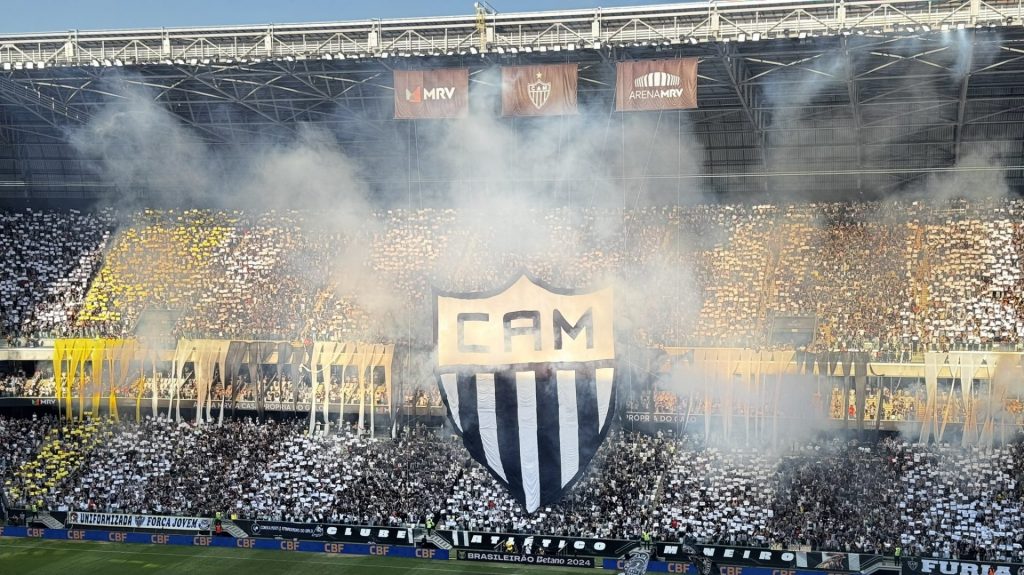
x,y
442,93
542,90
527,375
656,85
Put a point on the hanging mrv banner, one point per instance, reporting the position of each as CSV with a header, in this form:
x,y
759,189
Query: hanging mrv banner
x,y
441,93
656,85
527,375
542,90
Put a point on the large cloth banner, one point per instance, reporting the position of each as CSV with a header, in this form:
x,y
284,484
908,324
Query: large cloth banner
x,y
527,375
706,557
552,560
926,565
327,532
442,93
136,521
93,367
542,90
656,85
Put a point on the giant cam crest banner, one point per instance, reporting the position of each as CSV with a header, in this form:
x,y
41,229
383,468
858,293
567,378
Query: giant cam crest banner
x,y
528,378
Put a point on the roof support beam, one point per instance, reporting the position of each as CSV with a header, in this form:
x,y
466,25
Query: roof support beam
x,y
961,110
44,107
236,100
749,95
854,95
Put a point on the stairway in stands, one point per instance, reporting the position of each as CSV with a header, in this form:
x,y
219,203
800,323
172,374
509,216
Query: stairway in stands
x,y
48,520
232,529
659,491
435,538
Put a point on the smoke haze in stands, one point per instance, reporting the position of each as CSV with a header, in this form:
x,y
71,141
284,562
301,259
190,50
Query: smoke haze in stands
x,y
505,179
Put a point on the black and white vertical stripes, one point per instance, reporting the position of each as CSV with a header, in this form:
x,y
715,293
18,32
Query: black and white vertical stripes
x,y
534,427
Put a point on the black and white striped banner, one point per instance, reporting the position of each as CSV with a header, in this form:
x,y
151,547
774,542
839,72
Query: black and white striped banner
x,y
536,424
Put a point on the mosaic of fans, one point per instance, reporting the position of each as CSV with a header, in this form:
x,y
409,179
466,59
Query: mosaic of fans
x,y
893,493
883,277
892,279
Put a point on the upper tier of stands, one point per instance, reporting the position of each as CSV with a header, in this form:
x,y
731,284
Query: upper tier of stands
x,y
876,276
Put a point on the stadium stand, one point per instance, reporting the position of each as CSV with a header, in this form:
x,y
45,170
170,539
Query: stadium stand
x,y
49,259
895,279
892,493
883,277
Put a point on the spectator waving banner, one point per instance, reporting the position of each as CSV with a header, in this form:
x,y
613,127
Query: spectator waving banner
x,y
528,378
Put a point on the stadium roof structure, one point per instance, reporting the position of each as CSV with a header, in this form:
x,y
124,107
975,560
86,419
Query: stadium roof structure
x,y
856,98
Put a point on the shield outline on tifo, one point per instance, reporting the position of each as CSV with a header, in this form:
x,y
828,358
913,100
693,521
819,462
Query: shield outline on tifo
x,y
451,376
539,91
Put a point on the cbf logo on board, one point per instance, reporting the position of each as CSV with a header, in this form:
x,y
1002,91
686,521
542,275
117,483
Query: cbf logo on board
x,y
527,375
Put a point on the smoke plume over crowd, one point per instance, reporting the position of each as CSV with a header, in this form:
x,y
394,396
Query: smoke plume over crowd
x,y
501,177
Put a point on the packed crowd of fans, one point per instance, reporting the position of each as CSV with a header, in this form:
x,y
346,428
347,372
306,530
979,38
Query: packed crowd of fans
x,y
874,276
828,494
49,258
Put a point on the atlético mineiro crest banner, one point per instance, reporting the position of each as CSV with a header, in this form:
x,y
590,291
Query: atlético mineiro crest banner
x,y
538,90
528,378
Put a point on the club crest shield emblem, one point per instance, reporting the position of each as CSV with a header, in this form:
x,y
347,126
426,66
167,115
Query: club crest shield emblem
x,y
527,374
539,92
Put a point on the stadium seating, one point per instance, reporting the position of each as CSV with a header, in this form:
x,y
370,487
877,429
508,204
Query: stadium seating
x,y
877,276
931,500
49,259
